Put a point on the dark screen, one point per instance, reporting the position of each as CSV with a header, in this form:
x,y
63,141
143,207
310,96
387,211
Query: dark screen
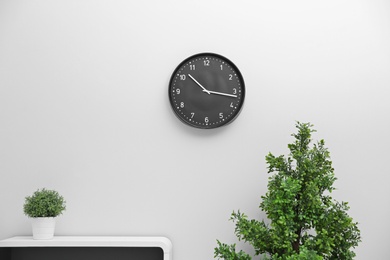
x,y
82,253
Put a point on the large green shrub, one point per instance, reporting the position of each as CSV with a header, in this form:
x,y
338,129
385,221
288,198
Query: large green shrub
x,y
44,203
306,222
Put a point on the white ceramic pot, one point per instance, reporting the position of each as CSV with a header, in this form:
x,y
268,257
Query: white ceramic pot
x,y
43,228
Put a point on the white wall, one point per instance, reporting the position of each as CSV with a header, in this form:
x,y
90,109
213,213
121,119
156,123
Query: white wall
x,y
84,110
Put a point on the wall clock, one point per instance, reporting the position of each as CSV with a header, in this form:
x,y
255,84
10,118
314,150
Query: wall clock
x,y
206,91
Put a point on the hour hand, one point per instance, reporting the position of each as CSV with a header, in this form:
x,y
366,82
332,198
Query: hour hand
x,y
200,85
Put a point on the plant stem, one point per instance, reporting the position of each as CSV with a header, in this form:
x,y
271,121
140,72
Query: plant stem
x,y
296,243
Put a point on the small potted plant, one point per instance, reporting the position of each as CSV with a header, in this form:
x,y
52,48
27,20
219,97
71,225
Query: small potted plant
x,y
43,207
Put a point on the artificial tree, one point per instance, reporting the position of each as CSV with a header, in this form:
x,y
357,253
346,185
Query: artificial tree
x,y
306,222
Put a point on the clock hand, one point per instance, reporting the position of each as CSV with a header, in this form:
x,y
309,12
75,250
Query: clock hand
x,y
200,85
219,93
209,91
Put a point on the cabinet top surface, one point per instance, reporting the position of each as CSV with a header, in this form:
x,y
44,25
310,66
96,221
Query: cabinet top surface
x,y
89,241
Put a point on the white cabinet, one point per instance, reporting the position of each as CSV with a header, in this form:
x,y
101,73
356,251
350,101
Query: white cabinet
x,y
87,247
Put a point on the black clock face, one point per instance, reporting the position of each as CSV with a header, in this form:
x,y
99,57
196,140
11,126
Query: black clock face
x,y
206,91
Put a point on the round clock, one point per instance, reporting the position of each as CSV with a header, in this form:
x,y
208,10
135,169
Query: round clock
x,y
206,91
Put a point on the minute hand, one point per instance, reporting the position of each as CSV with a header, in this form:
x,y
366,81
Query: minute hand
x,y
219,93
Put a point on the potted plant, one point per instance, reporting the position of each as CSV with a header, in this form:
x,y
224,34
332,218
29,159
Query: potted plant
x,y
306,222
43,207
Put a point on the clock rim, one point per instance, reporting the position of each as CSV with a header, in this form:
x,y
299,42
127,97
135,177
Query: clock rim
x,y
239,75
